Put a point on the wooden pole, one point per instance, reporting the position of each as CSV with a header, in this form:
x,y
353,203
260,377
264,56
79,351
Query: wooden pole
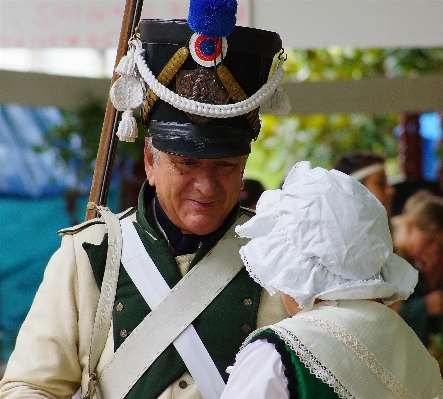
x,y
108,140
410,146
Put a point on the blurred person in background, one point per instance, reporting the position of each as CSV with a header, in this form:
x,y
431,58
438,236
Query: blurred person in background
x,y
250,193
368,168
418,238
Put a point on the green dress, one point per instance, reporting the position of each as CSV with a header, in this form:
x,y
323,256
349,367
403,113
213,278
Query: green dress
x,y
302,384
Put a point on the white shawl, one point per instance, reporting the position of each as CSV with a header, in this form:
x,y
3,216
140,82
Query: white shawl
x,y
367,347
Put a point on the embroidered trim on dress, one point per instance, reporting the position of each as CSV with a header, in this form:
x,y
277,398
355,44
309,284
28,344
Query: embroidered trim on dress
x,y
363,353
289,369
307,358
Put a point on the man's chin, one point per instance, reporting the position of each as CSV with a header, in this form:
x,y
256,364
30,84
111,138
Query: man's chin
x,y
202,225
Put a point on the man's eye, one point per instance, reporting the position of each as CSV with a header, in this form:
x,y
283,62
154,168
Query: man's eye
x,y
186,162
228,165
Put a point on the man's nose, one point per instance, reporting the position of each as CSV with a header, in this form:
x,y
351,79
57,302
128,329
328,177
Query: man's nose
x,y
390,190
206,182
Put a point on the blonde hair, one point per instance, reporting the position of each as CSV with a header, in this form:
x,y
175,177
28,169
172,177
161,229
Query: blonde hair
x,y
424,208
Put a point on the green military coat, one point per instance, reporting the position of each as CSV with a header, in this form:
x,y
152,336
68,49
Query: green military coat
x,y
51,355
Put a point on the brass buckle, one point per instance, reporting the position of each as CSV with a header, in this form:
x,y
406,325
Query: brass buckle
x,y
91,206
91,386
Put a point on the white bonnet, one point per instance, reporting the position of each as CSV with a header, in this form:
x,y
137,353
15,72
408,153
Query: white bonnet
x,y
324,235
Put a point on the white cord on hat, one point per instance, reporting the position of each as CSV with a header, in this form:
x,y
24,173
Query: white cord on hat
x,y
128,91
203,109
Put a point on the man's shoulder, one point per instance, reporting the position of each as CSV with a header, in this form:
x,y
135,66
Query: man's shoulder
x,y
96,225
247,211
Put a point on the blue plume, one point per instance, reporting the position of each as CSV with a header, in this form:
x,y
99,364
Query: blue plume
x,y
213,18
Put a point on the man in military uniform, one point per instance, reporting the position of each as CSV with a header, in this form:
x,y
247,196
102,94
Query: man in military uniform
x,y
187,207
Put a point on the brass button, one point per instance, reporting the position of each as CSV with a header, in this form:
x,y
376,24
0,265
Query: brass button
x,y
183,384
247,302
246,328
123,333
119,307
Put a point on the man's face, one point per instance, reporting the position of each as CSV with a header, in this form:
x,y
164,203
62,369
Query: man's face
x,y
425,246
196,194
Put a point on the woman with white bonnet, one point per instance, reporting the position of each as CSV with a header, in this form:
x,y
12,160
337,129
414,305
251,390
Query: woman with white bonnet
x,y
323,241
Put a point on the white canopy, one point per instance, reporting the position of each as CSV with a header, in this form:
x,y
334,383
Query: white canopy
x,y
301,23
371,95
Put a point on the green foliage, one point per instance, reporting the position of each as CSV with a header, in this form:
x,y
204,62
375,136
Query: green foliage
x,y
336,63
317,138
283,141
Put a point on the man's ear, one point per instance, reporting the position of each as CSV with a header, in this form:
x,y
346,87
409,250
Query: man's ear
x,y
149,164
242,179
244,166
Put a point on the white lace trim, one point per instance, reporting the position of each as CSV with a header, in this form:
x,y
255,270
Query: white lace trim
x,y
308,359
324,374
294,250
304,279
363,353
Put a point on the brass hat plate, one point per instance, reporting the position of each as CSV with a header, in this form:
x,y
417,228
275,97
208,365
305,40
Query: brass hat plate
x,y
202,85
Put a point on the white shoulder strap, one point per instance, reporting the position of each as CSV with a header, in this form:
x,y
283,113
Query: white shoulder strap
x,y
103,315
173,312
154,289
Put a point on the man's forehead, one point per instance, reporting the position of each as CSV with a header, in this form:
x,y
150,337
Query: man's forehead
x,y
239,158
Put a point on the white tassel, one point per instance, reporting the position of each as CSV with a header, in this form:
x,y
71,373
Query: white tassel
x,y
127,128
127,65
280,104
126,94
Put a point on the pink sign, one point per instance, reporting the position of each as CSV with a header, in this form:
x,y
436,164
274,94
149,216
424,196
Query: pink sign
x,y
80,23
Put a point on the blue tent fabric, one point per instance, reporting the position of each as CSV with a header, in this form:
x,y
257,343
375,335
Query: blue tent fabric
x,y
431,133
430,127
24,171
27,240
32,209
32,187
430,130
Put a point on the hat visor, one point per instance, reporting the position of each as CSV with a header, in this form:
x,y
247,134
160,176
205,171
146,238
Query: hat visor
x,y
200,141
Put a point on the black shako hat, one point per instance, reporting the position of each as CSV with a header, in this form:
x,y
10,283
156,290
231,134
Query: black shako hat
x,y
207,70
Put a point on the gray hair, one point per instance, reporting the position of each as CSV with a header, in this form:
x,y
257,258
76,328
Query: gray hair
x,y
155,152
